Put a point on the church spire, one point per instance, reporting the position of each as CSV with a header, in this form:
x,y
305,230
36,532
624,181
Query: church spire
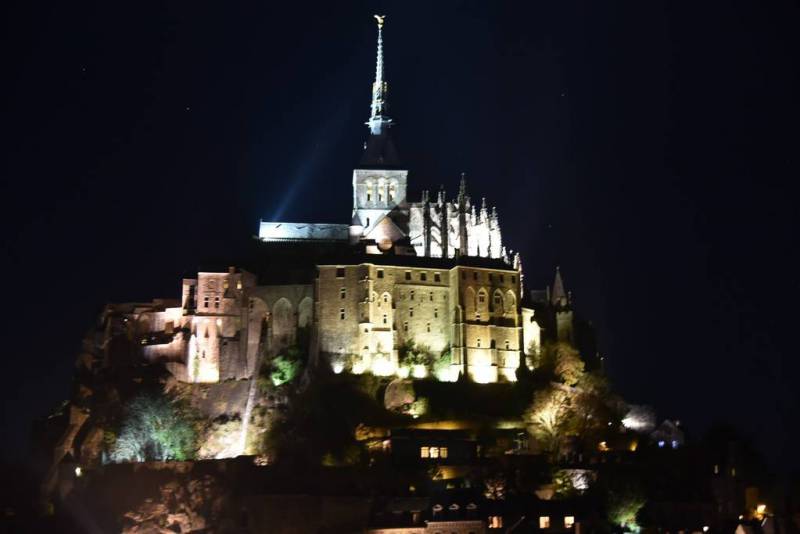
x,y
559,295
378,121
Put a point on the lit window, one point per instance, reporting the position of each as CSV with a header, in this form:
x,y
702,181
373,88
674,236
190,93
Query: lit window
x,y
341,314
239,284
661,444
424,452
716,469
569,521
437,277
442,452
225,284
495,521
434,451
544,521
423,276
408,275
343,293
340,272
674,444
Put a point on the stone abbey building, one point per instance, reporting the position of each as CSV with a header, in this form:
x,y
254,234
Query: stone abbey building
x,y
432,275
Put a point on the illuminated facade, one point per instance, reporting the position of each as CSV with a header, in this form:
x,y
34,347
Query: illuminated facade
x,y
430,277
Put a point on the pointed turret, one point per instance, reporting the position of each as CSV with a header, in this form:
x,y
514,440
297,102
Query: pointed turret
x,y
558,297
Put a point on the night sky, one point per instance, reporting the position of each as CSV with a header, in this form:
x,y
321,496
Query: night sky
x,y
648,149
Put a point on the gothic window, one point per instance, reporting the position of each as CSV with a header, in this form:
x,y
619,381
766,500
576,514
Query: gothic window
x,y
343,293
341,314
423,276
437,277
481,298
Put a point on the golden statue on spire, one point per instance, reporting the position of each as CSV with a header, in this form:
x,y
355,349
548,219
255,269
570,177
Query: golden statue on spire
x,y
379,18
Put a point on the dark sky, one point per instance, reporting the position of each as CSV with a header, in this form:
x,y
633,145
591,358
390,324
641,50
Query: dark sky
x,y
648,148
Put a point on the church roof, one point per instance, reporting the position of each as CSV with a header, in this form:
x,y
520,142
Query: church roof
x,y
380,152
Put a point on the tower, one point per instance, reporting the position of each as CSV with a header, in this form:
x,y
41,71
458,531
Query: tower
x,y
379,181
561,302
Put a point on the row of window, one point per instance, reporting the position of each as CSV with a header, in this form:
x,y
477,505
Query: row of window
x,y
433,452
390,191
211,285
489,277
206,301
496,521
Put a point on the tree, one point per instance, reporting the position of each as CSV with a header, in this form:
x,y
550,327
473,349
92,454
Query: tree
x,y
154,428
549,417
624,504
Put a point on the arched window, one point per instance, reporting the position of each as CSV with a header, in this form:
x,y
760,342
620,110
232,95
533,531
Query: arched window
x,y
369,191
511,302
497,302
392,191
381,190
